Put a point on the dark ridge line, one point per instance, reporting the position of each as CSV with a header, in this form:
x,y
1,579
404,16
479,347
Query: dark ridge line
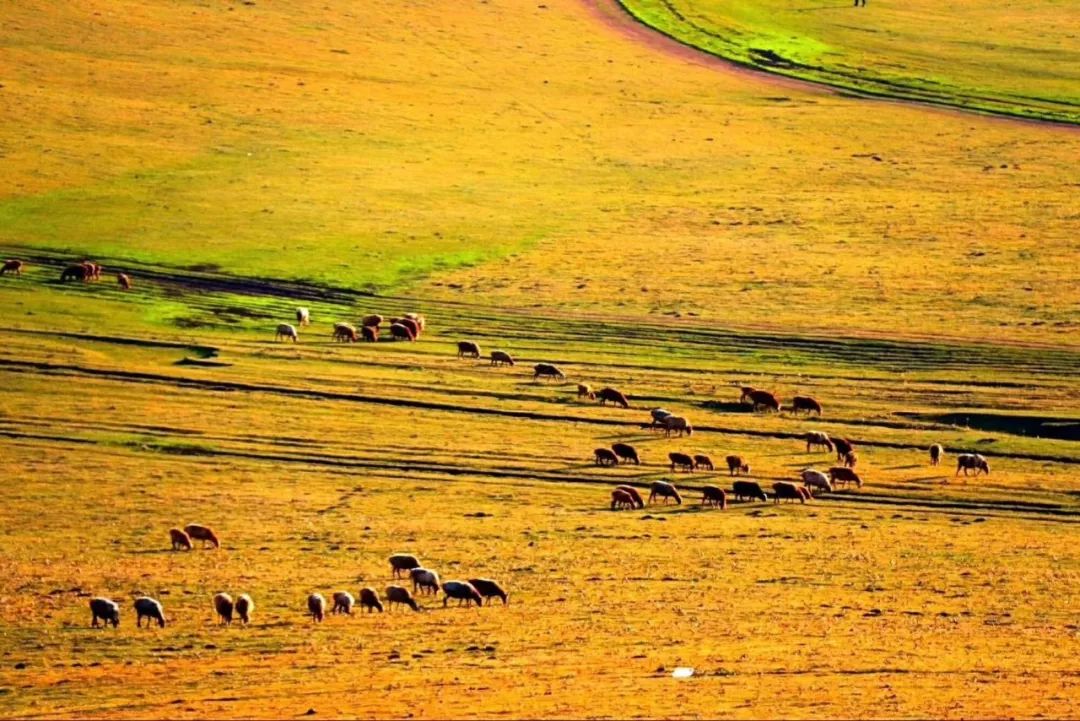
x,y
856,92
986,508
431,405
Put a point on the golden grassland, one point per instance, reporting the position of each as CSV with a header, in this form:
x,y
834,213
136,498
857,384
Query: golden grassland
x,y
545,179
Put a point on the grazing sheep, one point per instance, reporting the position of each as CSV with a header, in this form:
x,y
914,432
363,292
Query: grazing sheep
x,y
584,390
812,478
343,603
463,591
303,317
489,589
936,452
749,490
626,452
664,490
284,331
93,270
316,606
14,266
681,460
401,332
400,594
703,461
746,391
620,499
345,333
467,349
148,608
499,357
75,272
548,370
736,465
789,491
818,439
370,333
105,610
418,319
401,562
409,323
244,607
843,447
370,600
123,280
633,493
851,459
764,399
371,321
805,403
713,496
425,581
605,457
224,606
180,540
844,475
677,423
202,533
658,415
610,394
968,461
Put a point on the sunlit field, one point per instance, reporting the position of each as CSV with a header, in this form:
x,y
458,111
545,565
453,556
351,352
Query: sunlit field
x,y
559,182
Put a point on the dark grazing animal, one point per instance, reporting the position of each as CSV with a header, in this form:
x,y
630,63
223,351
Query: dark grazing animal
x,y
805,403
713,496
547,370
12,266
401,332
703,461
605,457
467,349
748,489
843,447
626,452
764,399
633,493
845,475
490,589
789,492
499,357
665,490
610,394
736,465
681,460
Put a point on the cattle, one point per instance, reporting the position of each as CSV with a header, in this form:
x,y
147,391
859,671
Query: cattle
x,y
605,457
626,452
610,394
749,490
713,496
681,460
843,474
547,370
805,403
969,461
467,349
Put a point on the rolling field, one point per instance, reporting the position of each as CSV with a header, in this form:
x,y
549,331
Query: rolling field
x,y
553,180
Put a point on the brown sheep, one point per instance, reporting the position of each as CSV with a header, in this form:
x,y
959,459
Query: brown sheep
x,y
805,403
499,357
244,607
936,452
736,465
633,493
13,266
490,589
400,594
75,272
605,457
748,489
224,606
123,281
844,475
547,370
626,452
789,492
371,321
370,600
620,499
467,349
370,333
202,533
403,562
345,333
180,540
343,603
703,461
665,490
681,460
676,423
843,447
584,390
401,332
409,323
610,394
713,496
421,322
764,399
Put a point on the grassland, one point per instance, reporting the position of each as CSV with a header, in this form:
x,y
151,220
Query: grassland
x,y
1012,59
546,180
